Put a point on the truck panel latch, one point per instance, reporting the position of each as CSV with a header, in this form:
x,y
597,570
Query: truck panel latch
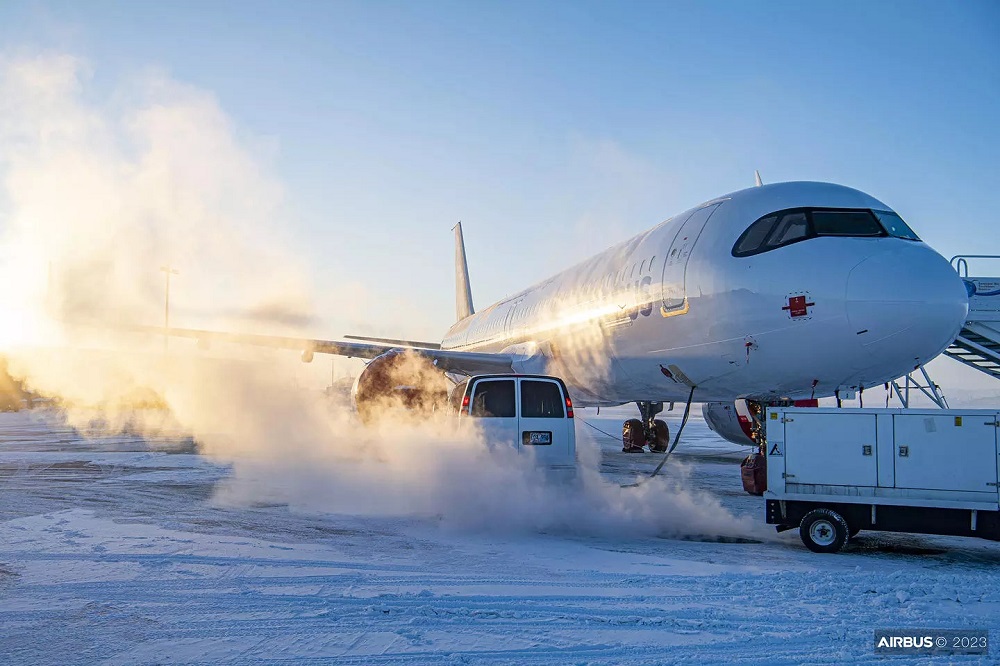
x,y
904,451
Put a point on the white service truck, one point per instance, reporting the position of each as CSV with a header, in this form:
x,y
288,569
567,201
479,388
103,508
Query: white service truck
x,y
528,412
833,472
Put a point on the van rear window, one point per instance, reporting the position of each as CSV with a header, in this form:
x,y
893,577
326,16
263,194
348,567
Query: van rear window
x,y
494,398
541,400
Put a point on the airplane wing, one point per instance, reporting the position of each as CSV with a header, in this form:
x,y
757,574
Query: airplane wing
x,y
394,341
460,362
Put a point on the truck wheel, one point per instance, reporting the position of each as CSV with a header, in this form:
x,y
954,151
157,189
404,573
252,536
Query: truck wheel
x,y
824,531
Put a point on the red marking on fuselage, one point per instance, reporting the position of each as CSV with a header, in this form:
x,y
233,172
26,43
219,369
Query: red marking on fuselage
x,y
798,306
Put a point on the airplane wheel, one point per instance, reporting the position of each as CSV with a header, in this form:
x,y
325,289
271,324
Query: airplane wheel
x,y
633,437
661,437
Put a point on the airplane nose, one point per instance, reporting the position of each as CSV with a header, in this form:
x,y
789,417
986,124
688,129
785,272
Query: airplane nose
x,y
906,303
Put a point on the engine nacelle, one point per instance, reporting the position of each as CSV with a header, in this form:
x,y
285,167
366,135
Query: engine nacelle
x,y
307,356
399,381
730,421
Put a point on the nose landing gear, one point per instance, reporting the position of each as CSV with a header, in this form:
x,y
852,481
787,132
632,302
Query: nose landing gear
x,y
646,430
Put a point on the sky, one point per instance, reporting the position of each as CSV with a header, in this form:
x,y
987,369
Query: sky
x,y
551,129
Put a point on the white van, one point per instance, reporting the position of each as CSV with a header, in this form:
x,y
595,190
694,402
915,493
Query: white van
x,y
525,411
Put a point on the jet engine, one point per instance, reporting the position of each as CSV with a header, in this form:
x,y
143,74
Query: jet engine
x,y
730,421
397,382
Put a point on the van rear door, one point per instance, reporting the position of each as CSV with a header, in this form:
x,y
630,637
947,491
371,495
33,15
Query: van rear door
x,y
494,405
545,425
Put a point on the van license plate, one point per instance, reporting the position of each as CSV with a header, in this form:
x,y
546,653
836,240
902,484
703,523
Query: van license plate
x,y
537,438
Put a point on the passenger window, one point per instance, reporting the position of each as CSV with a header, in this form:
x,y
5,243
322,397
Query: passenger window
x,y
792,227
541,400
755,235
494,398
845,223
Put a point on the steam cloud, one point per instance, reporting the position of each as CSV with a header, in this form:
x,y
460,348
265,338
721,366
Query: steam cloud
x,y
96,196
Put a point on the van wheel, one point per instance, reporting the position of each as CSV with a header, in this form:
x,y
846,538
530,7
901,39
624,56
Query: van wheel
x,y
824,531
661,437
633,437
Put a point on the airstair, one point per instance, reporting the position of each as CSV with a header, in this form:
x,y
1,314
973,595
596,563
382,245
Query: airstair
x,y
978,344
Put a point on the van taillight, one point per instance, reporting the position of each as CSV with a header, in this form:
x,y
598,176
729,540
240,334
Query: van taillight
x,y
465,402
569,408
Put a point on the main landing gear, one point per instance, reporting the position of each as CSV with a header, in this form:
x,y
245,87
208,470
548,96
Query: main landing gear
x,y
646,430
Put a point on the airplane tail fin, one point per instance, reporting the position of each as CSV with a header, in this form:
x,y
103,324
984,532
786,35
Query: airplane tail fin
x,y
756,178
463,290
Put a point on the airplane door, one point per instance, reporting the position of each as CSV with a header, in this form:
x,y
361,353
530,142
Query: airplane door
x,y
675,264
494,405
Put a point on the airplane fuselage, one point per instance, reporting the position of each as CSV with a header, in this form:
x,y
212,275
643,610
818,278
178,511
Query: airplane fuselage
x,y
835,295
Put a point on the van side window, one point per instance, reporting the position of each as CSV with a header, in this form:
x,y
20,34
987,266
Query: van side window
x,y
494,398
541,400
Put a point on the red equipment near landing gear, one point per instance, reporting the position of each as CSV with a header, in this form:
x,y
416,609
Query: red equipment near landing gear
x,y
753,471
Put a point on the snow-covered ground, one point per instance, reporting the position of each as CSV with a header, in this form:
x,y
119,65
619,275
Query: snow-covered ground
x,y
114,551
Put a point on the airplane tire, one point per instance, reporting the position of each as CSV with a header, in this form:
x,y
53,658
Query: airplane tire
x,y
633,437
661,435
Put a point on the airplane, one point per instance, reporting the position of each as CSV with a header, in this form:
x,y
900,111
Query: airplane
x,y
780,292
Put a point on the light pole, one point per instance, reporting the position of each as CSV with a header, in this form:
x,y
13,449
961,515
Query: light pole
x,y
167,272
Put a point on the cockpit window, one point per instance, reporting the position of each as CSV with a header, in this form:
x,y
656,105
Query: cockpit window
x,y
753,237
895,226
785,227
846,223
792,227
